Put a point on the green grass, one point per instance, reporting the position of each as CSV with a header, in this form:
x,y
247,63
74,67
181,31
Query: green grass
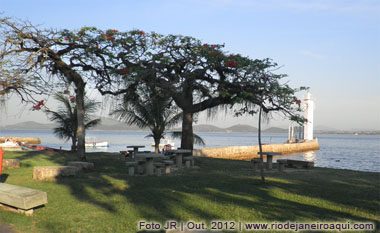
x,y
106,200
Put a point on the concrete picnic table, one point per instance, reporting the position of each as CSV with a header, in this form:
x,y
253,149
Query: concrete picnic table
x,y
149,160
135,149
178,154
269,158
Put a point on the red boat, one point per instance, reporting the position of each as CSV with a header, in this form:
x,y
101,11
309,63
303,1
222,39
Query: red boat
x,y
39,148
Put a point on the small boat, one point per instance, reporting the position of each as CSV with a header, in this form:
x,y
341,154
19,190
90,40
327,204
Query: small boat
x,y
39,148
9,143
91,142
97,144
165,142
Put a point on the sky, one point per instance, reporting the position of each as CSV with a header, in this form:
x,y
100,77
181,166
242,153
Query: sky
x,y
333,47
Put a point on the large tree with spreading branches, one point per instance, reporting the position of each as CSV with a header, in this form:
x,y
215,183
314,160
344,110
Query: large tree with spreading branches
x,y
46,59
197,76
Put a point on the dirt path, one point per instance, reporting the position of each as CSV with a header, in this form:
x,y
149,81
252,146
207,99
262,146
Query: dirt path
x,y
6,228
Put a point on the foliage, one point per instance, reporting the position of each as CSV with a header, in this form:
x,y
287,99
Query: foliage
x,y
149,109
66,117
197,76
48,59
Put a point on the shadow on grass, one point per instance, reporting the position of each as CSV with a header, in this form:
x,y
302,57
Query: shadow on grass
x,y
220,188
224,190
3,178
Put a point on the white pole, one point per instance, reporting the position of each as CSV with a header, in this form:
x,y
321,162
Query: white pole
x,y
309,110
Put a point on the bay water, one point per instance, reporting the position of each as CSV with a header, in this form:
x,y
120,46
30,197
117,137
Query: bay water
x,y
342,151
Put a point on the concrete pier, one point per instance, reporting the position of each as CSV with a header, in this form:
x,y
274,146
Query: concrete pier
x,y
250,152
22,139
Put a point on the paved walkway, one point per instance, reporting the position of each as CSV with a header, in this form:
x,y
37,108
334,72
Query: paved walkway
x,y
5,228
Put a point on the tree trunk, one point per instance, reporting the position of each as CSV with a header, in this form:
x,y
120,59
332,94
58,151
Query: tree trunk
x,y
79,91
157,144
261,148
74,143
187,140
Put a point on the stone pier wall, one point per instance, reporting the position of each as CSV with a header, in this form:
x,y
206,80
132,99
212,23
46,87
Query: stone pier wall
x,y
250,152
21,139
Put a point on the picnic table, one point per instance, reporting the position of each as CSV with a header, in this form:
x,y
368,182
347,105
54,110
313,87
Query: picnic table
x,y
135,149
269,156
178,154
148,157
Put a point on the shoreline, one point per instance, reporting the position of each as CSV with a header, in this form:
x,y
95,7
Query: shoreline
x,y
316,132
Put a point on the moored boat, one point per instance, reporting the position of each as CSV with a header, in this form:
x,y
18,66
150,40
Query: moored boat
x,y
97,144
92,142
10,144
39,148
165,142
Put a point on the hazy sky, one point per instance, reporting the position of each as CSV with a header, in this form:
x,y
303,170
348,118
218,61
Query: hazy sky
x,y
331,46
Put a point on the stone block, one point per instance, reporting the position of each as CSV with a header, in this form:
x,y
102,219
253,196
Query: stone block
x,y
11,163
20,197
131,168
299,164
281,164
86,166
53,172
255,164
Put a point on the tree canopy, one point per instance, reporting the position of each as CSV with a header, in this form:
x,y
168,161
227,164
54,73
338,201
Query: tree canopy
x,y
196,75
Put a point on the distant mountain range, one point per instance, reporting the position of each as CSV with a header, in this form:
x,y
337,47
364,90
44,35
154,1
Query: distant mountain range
x,y
108,124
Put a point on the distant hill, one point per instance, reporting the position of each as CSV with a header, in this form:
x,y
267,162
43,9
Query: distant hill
x,y
324,128
242,128
29,125
207,128
275,130
109,124
106,124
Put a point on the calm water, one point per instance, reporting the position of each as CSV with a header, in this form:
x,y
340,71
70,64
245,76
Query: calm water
x,y
336,151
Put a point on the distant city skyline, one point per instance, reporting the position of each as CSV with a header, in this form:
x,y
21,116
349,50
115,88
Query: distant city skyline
x,y
333,47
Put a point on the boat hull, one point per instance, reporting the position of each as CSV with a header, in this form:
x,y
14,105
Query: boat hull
x,y
39,148
97,144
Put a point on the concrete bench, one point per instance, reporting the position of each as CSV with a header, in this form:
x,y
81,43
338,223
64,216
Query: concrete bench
x,y
255,163
24,199
54,172
158,167
140,166
11,163
131,167
269,156
189,161
86,166
299,163
281,164
168,164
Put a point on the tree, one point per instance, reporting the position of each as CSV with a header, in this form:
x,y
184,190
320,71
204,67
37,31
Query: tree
x,y
197,76
149,109
66,118
51,57
271,96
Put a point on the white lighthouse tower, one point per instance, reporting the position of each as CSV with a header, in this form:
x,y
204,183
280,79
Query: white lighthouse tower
x,y
309,112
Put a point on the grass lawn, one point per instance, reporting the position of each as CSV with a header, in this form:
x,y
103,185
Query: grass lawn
x,y
106,200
